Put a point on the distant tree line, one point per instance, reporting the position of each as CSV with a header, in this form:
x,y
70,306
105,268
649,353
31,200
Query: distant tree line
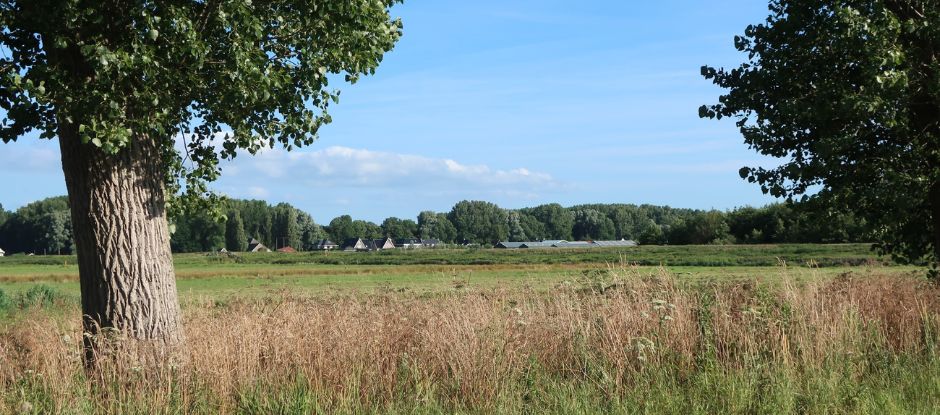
x,y
44,227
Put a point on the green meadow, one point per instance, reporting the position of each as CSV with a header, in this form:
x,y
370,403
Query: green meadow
x,y
215,275
686,329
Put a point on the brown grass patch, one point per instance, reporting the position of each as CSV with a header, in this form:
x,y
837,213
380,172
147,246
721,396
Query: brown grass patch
x,y
469,349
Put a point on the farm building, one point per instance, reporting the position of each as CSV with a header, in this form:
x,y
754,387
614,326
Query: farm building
x,y
510,245
355,244
325,245
565,244
378,244
386,243
543,244
2,252
410,243
286,250
430,243
621,243
574,244
256,246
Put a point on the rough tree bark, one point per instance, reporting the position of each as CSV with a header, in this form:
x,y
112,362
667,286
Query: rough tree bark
x,y
123,244
935,221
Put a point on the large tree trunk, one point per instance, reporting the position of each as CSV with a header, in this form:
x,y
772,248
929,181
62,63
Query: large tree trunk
x,y
123,244
935,221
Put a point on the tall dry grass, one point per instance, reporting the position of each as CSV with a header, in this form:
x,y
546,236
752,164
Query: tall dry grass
x,y
483,351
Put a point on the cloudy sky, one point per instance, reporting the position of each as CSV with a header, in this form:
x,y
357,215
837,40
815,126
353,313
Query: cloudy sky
x,y
519,103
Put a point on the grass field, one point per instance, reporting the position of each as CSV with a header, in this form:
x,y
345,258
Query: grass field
x,y
434,270
702,329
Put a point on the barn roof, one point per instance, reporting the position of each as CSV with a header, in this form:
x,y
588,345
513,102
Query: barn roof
x,y
622,242
510,245
575,244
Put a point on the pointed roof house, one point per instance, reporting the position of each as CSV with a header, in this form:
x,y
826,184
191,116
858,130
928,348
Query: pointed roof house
x,y
386,243
256,246
355,244
2,252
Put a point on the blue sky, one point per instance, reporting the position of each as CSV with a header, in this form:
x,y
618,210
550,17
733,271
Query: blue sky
x,y
519,103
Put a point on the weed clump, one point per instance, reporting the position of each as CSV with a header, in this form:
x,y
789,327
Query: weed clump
x,y
39,296
5,301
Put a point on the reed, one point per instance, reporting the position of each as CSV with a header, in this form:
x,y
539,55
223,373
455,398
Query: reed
x,y
623,341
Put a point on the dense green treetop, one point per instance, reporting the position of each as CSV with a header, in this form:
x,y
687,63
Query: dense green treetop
x,y
847,94
479,222
432,225
38,227
558,221
236,239
397,228
226,75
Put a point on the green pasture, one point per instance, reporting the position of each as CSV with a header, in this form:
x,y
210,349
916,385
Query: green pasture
x,y
441,270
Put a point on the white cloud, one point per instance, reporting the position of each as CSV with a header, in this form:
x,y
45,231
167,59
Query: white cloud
x,y
351,167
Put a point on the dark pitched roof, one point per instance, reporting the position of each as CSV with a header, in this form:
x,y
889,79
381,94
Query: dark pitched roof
x,y
351,242
510,245
257,247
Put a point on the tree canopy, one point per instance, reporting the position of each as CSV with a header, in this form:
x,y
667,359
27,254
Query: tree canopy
x,y
24,230
222,75
847,94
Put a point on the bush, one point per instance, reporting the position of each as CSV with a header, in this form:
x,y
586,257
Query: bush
x,y
5,300
39,295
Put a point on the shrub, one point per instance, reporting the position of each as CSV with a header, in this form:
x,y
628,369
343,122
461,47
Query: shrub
x,y
5,301
39,295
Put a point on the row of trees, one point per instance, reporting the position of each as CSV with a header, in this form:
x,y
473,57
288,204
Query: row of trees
x,y
45,227
42,227
275,226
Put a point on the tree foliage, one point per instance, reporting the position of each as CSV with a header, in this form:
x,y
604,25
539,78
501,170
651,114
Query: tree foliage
x,y
708,228
558,221
590,224
236,240
310,231
433,225
40,227
286,228
397,228
25,230
847,94
479,222
341,228
224,75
